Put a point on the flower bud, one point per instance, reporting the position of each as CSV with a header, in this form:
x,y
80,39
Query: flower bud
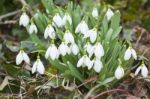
x,y
22,56
38,66
49,32
33,28
57,20
99,51
119,73
143,69
130,52
95,13
109,14
24,20
67,18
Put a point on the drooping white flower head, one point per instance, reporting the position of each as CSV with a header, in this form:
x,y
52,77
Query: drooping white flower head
x,y
98,51
49,32
33,28
95,13
92,34
24,19
143,69
109,14
38,67
82,27
74,49
119,73
68,37
63,48
67,18
98,65
90,49
57,20
22,56
130,52
52,52
85,61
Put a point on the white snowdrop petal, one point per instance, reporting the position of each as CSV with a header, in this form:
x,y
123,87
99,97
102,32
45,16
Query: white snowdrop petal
x,y
40,67
49,32
24,20
95,13
137,70
109,14
66,18
127,54
144,71
63,49
78,28
46,33
54,54
80,62
68,37
47,54
119,73
99,51
89,49
90,65
26,58
58,20
98,65
84,28
34,67
74,49
93,36
32,29
133,53
19,58
88,62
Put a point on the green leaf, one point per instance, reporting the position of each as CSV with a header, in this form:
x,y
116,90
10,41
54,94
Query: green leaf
x,y
48,4
39,44
38,23
116,32
75,72
60,66
115,20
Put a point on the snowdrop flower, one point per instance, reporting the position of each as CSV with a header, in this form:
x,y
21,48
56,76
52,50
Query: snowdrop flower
x,y
119,73
98,65
22,56
68,37
49,32
143,69
67,18
52,52
38,66
92,34
63,48
95,13
82,27
33,28
74,49
109,14
98,50
57,20
24,19
89,49
85,61
130,52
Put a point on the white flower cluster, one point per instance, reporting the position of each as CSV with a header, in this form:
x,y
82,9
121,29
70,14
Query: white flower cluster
x,y
25,20
69,45
93,49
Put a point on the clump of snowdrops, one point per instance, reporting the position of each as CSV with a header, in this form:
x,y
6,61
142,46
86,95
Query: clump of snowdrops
x,y
79,43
